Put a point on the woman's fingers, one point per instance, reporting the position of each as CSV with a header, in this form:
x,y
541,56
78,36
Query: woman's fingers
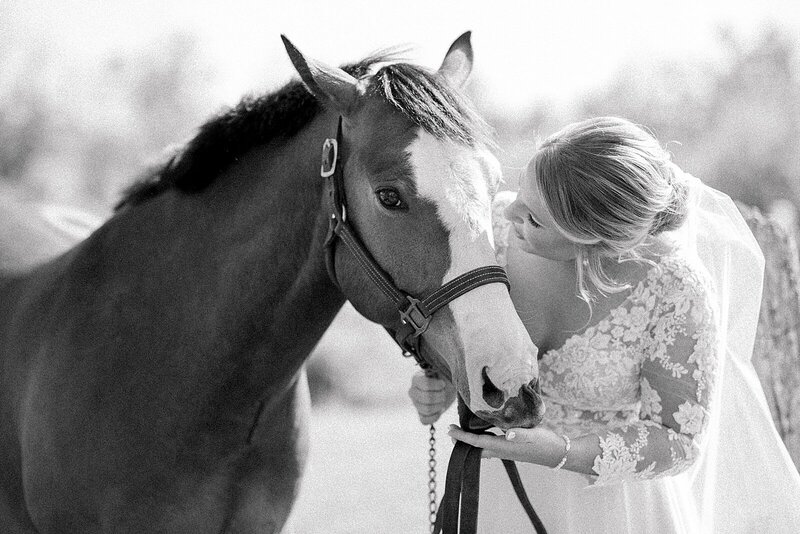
x,y
523,435
429,409
429,413
494,446
427,398
431,396
429,419
424,382
483,441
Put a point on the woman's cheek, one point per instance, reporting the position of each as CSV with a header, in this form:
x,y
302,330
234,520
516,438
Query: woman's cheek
x,y
522,243
534,245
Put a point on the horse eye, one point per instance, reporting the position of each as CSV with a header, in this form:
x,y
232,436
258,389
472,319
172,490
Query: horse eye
x,y
390,199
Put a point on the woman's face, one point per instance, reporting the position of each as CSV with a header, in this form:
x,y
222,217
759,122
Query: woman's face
x,y
533,226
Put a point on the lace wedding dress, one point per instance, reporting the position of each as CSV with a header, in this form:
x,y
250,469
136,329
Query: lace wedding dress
x,y
645,380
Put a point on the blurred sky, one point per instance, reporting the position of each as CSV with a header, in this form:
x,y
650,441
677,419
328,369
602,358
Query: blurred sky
x,y
524,50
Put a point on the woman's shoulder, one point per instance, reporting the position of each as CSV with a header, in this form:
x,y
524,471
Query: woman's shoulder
x,y
677,273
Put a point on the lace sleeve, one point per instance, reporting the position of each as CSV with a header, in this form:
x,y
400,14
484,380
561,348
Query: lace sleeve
x,y
676,379
500,225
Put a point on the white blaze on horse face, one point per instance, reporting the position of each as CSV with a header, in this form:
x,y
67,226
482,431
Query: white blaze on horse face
x,y
460,180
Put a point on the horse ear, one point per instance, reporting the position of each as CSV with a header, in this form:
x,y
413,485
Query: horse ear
x,y
457,62
329,84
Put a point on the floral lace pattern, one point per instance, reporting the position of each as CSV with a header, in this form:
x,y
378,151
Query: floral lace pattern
x,y
640,379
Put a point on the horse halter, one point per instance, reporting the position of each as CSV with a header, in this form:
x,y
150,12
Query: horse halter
x,y
463,473
415,313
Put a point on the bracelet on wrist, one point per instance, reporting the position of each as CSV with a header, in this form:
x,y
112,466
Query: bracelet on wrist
x,y
567,446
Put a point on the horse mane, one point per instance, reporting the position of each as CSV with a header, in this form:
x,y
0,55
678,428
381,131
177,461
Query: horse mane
x,y
421,95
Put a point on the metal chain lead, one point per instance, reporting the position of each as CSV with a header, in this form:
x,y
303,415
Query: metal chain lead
x,y
432,479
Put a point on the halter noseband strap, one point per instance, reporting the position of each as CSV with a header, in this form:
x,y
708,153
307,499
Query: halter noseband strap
x,y
415,313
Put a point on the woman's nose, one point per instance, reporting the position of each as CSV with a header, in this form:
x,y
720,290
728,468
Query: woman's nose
x,y
512,212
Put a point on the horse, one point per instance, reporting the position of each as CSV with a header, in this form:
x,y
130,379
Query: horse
x,y
153,373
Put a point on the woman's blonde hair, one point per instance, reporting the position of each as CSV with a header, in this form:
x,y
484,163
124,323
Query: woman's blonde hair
x,y
608,185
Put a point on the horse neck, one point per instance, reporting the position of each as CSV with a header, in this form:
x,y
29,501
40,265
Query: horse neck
x,y
239,265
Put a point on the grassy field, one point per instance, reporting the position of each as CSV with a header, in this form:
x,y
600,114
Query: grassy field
x,y
368,471
368,464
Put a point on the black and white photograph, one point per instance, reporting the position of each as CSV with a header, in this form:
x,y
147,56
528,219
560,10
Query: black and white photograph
x,y
441,267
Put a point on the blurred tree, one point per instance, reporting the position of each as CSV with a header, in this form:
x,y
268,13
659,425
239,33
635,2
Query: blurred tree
x,y
81,135
150,100
754,123
736,122
732,118
25,111
24,120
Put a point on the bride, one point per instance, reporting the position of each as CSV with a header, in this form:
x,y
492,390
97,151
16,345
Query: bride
x,y
641,287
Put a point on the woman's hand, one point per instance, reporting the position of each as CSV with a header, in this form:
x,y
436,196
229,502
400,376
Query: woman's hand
x,y
431,396
533,445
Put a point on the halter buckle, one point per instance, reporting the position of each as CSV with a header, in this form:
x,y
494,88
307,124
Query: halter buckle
x,y
330,155
414,317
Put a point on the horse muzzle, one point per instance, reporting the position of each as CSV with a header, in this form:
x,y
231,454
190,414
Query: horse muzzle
x,y
523,410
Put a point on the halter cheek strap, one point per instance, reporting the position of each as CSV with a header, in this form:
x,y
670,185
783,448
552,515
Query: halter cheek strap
x,y
415,313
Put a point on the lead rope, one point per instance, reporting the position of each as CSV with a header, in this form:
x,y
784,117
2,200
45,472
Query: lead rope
x,y
432,479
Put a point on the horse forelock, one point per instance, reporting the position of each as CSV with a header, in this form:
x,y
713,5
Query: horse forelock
x,y
431,103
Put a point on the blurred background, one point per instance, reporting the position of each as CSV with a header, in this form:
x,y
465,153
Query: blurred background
x,y
92,92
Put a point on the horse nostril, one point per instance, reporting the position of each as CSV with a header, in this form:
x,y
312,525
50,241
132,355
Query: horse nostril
x,y
493,396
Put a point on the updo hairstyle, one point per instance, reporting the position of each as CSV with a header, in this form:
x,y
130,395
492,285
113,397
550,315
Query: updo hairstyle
x,y
608,185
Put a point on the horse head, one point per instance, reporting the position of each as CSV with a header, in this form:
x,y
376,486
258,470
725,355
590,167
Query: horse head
x,y
418,178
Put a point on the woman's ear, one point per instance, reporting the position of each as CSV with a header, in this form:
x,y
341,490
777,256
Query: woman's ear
x,y
331,85
457,63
